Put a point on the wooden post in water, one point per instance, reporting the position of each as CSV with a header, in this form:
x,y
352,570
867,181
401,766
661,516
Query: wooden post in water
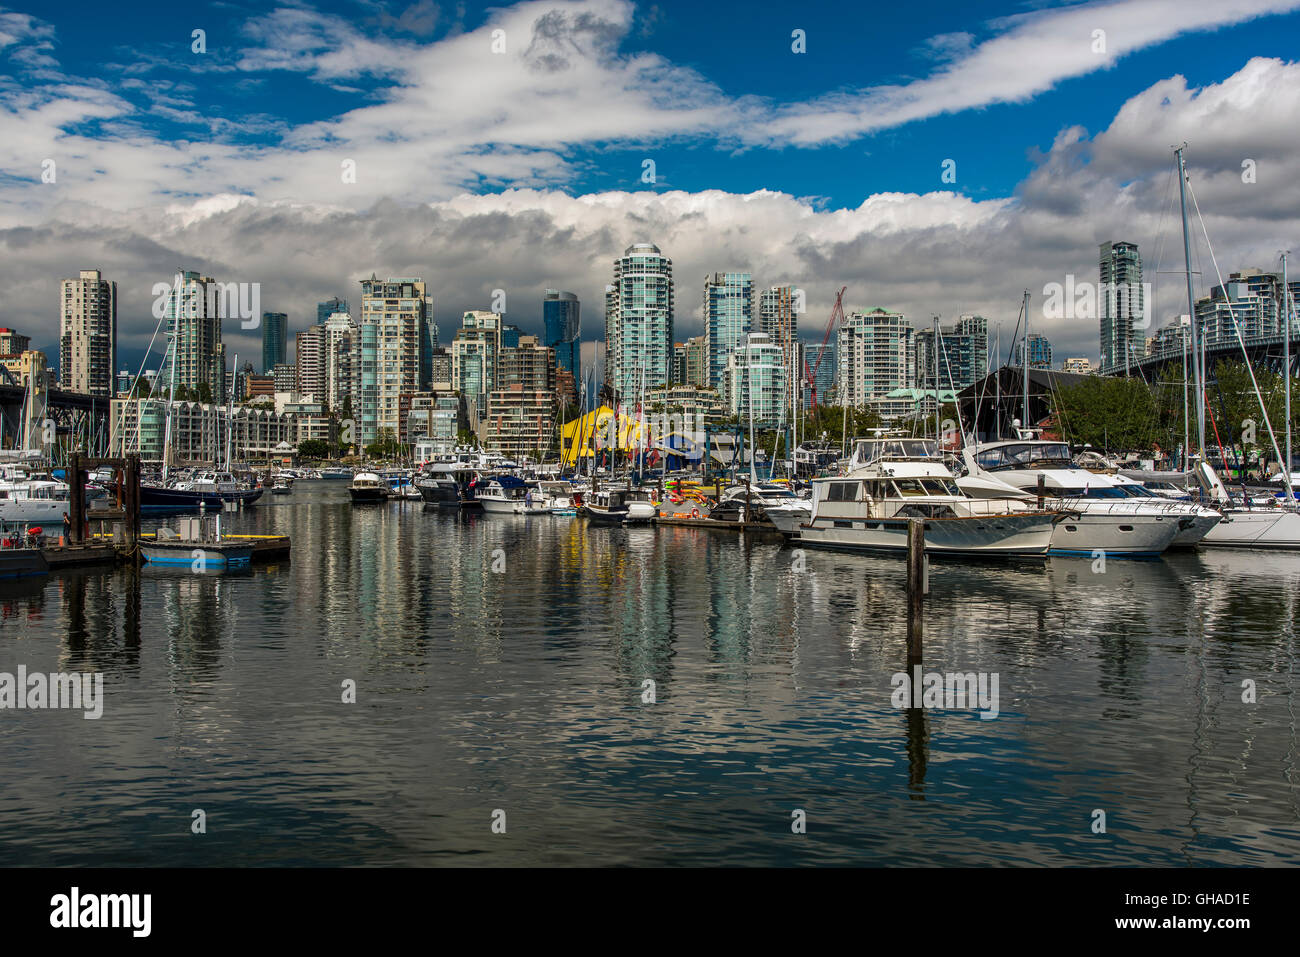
x,y
131,478
746,481
76,501
1042,489
917,586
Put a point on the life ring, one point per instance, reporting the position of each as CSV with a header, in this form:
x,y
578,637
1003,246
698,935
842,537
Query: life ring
x,y
695,513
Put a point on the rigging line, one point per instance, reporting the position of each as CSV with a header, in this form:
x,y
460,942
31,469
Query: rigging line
x,y
1235,326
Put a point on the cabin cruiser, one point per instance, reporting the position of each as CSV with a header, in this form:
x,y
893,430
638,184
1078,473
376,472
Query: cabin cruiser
x,y
891,481
767,502
620,505
33,501
367,487
1275,525
336,473
508,495
1197,519
1104,518
559,498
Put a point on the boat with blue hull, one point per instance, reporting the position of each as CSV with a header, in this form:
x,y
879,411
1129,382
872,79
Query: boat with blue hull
x,y
22,563
200,556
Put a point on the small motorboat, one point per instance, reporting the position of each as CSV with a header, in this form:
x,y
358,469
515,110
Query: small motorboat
x,y
367,488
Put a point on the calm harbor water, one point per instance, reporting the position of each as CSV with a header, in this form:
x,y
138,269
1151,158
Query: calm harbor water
x,y
521,690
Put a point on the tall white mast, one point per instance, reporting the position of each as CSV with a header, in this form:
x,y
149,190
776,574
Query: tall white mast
x,y
1286,376
1191,305
171,391
1024,364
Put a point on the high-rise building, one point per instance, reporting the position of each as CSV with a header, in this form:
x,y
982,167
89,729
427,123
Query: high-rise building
x,y
342,360
286,377
876,353
330,306
728,318
1250,301
561,315
1121,303
196,350
398,337
311,363
88,334
962,358
777,315
521,409
695,364
639,322
820,365
275,340
755,382
474,355
1040,353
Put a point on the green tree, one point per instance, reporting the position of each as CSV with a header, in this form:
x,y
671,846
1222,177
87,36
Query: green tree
x,y
313,449
204,393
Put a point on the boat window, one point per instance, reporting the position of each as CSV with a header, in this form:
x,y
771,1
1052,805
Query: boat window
x,y
842,492
938,487
908,487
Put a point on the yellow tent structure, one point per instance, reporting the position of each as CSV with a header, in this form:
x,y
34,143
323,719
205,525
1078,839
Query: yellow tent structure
x,y
598,431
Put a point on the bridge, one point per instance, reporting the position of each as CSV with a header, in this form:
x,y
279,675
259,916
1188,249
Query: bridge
x,y
1265,351
82,419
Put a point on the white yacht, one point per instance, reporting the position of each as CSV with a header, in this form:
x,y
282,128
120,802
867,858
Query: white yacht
x,y
559,498
621,505
890,481
1102,516
1246,526
507,495
770,501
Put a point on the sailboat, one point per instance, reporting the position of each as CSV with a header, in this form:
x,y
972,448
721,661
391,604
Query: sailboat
x,y
1273,526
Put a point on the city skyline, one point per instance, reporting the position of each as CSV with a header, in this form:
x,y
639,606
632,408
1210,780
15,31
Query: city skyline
x,y
239,155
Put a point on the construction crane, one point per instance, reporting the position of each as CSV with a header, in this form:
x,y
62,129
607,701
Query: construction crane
x,y
837,314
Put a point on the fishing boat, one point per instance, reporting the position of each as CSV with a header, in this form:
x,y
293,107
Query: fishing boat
x,y
367,488
620,506
281,485
892,481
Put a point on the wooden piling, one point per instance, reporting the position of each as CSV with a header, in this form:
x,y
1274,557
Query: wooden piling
x,y
916,590
76,501
1042,489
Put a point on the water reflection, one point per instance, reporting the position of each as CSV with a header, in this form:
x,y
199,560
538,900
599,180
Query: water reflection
x,y
501,661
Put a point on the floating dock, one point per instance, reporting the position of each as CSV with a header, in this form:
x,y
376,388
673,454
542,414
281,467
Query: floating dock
x,y
715,524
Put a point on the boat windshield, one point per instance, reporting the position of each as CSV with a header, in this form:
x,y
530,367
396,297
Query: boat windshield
x,y
1023,456
1104,492
871,450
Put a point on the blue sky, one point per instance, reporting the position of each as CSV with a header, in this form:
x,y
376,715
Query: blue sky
x,y
523,169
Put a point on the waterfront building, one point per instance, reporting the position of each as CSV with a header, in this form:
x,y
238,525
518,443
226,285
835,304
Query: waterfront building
x,y
693,404
275,340
198,431
196,348
728,318
1120,302
87,333
755,382
397,339
1249,302
1040,354
311,363
639,322
876,354
962,357
561,317
435,426
1078,365
311,421
28,366
522,408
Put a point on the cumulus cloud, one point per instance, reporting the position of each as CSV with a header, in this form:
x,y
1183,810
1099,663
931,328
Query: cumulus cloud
x,y
450,116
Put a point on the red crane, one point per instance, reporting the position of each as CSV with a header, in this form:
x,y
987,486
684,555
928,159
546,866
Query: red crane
x,y
837,313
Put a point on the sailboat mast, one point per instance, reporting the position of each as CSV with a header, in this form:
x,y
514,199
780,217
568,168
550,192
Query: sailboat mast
x,y
1024,364
1191,304
171,391
934,354
1286,376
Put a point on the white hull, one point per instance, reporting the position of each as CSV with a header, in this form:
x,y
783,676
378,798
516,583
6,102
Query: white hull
x,y
788,521
1023,535
1114,533
1256,528
501,506
33,511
